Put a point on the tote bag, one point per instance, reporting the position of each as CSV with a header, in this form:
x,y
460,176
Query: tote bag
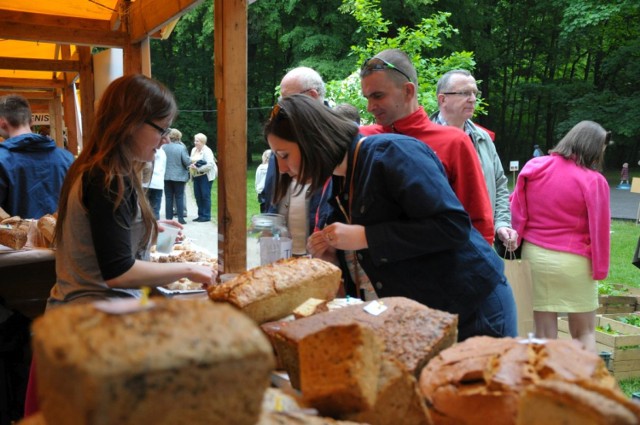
x,y
518,273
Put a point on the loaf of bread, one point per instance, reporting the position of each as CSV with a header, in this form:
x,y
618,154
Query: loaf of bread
x,y
480,380
47,228
3,215
558,402
398,400
273,291
180,361
339,368
14,234
411,332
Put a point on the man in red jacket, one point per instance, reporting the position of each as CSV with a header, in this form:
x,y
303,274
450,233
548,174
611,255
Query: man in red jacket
x,y
389,83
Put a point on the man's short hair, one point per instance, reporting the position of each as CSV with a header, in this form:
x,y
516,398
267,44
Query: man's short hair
x,y
443,82
15,109
399,60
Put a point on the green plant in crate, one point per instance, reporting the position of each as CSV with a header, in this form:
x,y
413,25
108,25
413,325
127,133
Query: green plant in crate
x,y
633,320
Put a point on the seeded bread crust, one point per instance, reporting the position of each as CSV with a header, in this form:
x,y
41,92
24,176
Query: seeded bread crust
x,y
273,291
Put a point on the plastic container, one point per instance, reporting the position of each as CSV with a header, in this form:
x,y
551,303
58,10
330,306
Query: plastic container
x,y
274,239
167,238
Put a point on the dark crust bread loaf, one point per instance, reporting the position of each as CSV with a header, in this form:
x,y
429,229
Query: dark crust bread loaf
x,y
182,361
480,380
412,332
273,291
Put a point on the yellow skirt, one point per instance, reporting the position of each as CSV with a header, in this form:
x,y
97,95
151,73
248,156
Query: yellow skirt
x,y
562,282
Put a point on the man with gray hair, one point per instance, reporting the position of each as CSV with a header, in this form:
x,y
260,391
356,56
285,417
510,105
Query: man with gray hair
x,y
303,211
457,96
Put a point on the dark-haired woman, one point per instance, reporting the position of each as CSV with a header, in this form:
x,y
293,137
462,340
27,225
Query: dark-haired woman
x,y
394,206
560,207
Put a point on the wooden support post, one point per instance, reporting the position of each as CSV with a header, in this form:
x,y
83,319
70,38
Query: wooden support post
x,y
87,89
230,73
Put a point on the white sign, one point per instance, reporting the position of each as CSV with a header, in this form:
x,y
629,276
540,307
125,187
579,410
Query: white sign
x,y
514,165
40,119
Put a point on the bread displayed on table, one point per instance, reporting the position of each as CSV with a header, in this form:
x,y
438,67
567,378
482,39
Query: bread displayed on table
x,y
14,232
47,227
179,361
483,379
558,402
273,291
412,332
339,368
398,400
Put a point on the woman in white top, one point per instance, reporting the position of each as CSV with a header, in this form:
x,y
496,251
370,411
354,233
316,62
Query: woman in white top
x,y
204,171
261,177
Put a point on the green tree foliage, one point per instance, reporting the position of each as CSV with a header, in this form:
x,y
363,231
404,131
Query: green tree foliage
x,y
418,42
184,62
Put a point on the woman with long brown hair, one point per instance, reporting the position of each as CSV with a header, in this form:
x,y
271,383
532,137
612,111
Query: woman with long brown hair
x,y
105,224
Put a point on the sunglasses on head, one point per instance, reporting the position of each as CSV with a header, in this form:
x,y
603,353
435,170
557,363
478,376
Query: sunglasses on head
x,y
377,64
277,112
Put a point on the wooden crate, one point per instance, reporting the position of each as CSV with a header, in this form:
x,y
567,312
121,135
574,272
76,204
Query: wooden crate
x,y
624,348
610,304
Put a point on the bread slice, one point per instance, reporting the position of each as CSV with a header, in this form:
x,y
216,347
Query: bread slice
x,y
310,307
398,400
182,361
412,332
555,402
339,368
273,291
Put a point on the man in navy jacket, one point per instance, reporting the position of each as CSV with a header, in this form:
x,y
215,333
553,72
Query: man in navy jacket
x,y
32,167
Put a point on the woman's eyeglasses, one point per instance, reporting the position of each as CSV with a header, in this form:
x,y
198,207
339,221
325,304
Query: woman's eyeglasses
x,y
377,64
164,132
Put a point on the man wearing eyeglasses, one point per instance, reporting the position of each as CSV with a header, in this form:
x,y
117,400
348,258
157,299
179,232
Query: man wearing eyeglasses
x,y
457,97
390,84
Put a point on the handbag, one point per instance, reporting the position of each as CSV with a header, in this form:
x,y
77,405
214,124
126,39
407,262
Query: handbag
x,y
199,163
636,255
518,273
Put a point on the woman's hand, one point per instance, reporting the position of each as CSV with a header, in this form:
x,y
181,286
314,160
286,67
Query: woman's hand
x,y
345,236
202,274
318,247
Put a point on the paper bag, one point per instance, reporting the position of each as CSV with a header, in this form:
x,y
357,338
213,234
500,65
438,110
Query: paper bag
x,y
518,273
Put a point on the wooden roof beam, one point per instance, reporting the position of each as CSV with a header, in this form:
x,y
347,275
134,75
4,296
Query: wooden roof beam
x,y
39,64
59,29
156,14
30,95
30,83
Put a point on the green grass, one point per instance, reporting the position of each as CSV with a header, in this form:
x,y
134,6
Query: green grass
x,y
253,207
624,237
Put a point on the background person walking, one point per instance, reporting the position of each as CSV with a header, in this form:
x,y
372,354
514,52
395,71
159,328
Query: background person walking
x,y
204,170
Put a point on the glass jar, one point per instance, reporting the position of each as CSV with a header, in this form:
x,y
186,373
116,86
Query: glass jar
x,y
274,239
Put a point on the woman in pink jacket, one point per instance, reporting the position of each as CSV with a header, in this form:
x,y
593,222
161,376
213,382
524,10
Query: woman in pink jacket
x,y
560,207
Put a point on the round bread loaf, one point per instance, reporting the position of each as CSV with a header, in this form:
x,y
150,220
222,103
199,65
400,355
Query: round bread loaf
x,y
481,380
